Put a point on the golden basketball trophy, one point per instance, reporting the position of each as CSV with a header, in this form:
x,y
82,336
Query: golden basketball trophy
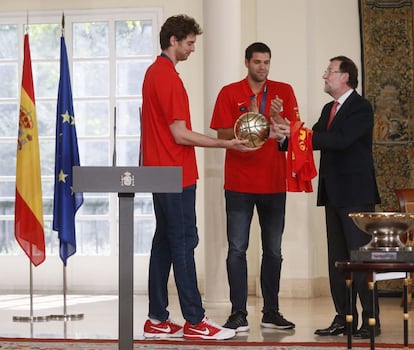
x,y
253,127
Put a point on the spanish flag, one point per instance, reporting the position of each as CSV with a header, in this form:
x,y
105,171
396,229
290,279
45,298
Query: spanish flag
x,y
28,216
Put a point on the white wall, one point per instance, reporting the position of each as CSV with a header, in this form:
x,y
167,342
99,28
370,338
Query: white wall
x,y
303,35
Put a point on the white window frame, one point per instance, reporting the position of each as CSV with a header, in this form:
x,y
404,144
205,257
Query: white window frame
x,y
89,274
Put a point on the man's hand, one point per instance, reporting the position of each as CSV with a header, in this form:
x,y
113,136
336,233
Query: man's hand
x,y
278,131
276,106
253,105
239,145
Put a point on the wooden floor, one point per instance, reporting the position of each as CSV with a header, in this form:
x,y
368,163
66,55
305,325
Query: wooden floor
x,y
100,318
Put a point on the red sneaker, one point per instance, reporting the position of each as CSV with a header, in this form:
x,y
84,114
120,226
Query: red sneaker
x,y
207,330
156,329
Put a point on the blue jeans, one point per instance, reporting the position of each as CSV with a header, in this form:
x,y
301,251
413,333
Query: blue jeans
x,y
173,244
271,212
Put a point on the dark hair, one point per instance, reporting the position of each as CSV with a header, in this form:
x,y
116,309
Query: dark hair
x,y
348,66
256,47
179,26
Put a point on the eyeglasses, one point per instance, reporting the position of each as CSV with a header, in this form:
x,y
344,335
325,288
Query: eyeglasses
x,y
328,71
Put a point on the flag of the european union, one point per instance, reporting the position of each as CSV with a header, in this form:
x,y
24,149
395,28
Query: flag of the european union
x,y
66,202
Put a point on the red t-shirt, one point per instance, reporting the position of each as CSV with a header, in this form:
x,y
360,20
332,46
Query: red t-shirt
x,y
164,99
264,170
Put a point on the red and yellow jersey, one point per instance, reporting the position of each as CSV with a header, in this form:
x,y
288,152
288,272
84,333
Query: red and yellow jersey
x,y
164,101
264,170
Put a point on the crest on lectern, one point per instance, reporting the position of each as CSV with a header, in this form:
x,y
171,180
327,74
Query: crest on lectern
x,y
127,179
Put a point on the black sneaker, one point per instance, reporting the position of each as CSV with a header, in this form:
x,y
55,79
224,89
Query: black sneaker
x,y
237,321
274,319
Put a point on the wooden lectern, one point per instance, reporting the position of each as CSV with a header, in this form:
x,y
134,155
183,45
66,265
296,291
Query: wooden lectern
x,y
126,181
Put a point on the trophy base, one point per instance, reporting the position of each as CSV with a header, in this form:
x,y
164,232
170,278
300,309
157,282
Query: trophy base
x,y
406,255
389,242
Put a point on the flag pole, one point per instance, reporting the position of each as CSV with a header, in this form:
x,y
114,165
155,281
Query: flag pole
x,y
31,288
65,316
30,318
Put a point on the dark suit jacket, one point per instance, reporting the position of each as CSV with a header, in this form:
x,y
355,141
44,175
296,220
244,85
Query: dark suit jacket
x,y
346,171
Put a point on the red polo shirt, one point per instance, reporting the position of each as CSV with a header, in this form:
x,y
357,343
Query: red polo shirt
x,y
264,170
165,100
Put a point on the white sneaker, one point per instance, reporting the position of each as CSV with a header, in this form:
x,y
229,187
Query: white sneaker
x,y
157,329
207,330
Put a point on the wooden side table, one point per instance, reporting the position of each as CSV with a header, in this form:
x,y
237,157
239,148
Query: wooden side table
x,y
371,268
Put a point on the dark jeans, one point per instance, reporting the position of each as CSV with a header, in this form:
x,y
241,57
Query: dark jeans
x,y
271,212
173,244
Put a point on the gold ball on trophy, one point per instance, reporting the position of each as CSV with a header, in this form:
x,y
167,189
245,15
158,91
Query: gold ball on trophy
x,y
253,127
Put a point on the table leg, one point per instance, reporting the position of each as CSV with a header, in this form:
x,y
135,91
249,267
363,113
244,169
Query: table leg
x,y
349,320
371,320
406,316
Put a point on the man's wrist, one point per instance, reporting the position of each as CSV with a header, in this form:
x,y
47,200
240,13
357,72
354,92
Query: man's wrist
x,y
282,140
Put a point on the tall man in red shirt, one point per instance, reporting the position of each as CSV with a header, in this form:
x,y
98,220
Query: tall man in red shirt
x,y
168,140
255,179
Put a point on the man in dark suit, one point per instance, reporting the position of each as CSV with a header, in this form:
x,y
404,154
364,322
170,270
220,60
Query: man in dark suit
x,y
346,184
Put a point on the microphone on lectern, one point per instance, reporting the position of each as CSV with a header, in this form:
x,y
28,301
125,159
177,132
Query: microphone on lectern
x,y
140,137
114,154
